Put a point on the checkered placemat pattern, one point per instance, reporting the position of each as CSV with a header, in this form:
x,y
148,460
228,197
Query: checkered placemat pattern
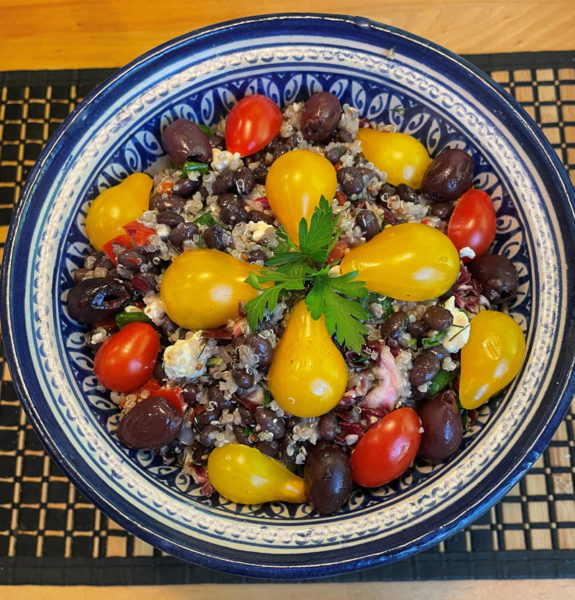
x,y
50,533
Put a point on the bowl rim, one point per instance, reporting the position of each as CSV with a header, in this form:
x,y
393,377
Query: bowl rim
x,y
132,69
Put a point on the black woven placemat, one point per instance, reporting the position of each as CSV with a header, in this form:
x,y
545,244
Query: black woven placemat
x,y
51,534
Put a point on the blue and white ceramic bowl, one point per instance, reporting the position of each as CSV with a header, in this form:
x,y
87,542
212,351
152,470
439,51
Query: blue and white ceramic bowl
x,y
390,76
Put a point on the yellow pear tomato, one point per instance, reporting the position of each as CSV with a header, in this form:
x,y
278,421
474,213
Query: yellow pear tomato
x,y
411,261
202,289
400,155
117,206
308,374
295,184
491,358
245,475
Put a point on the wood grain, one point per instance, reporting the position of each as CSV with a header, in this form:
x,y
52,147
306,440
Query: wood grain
x,y
57,34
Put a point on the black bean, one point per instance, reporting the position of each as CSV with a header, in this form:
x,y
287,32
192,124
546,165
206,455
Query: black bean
x,y
425,367
497,277
182,232
162,202
152,423
260,174
394,325
224,182
328,477
418,329
407,193
258,215
277,149
143,282
268,421
96,299
190,393
169,218
184,140
207,435
214,237
244,180
243,434
217,141
132,259
243,377
329,427
207,416
351,180
367,222
185,187
246,416
320,116
269,447
442,210
438,318
103,262
261,348
334,154
448,176
257,255
217,398
232,214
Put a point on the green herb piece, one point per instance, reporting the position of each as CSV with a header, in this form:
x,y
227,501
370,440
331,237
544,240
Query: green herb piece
x,y
462,328
205,129
440,381
434,340
248,431
335,297
214,361
206,219
190,167
295,268
268,398
383,301
123,318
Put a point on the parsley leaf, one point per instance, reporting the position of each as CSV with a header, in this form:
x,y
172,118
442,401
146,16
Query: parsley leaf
x,y
317,241
334,298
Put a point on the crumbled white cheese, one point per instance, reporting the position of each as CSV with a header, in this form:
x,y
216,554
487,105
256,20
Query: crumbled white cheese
x,y
187,358
448,364
154,308
457,334
261,230
222,160
467,252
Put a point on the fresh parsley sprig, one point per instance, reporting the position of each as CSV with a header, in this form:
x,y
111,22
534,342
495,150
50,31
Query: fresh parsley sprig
x,y
303,268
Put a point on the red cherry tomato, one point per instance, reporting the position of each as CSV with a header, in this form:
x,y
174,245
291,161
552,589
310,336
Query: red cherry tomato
x,y
126,360
473,222
387,448
251,124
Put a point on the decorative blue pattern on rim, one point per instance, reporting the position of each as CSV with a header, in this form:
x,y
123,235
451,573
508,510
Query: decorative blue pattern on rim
x,y
423,90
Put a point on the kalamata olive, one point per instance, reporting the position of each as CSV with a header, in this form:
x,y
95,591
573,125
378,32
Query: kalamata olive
x,y
394,325
267,420
244,180
327,477
438,317
442,428
425,367
214,237
184,140
261,348
169,218
367,222
224,182
351,180
328,427
182,232
150,424
96,299
320,116
448,176
497,277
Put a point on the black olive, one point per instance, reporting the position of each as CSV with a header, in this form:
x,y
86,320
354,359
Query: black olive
x,y
96,299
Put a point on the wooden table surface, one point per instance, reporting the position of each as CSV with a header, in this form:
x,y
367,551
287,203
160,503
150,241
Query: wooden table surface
x,y
59,34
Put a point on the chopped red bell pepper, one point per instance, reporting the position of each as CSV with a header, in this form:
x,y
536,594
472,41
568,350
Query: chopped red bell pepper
x,y
121,240
138,232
